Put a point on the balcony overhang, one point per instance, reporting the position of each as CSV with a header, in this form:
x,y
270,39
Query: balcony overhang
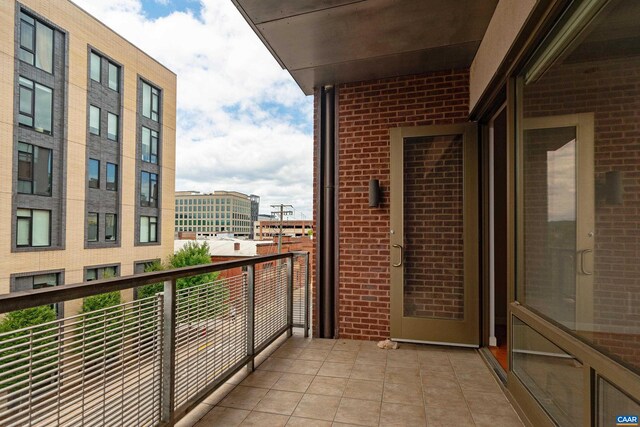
x,y
324,42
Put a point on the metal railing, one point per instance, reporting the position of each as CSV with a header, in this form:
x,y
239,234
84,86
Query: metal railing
x,y
147,361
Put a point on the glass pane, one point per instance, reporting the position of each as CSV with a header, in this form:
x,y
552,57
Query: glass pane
x,y
41,234
144,229
44,47
113,76
615,407
433,247
94,173
554,377
26,35
26,100
93,227
25,168
92,274
112,126
110,227
22,232
153,229
144,189
146,100
146,144
95,67
94,120
580,252
550,222
112,176
44,109
42,171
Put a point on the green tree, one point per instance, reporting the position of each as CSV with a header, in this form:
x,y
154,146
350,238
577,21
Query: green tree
x,y
12,325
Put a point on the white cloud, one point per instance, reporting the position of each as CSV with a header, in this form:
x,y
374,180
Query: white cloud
x,y
243,124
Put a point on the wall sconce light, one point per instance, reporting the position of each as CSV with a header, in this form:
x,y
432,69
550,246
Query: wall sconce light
x,y
375,193
609,190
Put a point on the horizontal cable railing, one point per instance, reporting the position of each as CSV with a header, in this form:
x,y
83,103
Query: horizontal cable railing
x,y
147,361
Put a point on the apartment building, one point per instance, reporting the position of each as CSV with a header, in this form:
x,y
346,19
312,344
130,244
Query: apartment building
x,y
87,122
220,212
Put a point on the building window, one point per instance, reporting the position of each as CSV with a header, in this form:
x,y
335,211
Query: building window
x,y
36,106
112,177
148,229
149,145
92,231
34,169
112,126
114,77
33,228
94,173
149,189
94,120
150,101
95,67
110,227
36,43
39,281
100,273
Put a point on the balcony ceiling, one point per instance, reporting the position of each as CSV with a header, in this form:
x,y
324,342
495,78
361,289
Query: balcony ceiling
x,y
335,41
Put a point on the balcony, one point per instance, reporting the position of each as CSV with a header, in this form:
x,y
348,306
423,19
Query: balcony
x,y
224,353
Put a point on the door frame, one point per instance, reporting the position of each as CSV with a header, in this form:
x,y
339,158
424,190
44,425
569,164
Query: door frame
x,y
464,332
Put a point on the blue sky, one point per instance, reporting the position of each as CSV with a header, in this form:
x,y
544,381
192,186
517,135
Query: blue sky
x,y
243,124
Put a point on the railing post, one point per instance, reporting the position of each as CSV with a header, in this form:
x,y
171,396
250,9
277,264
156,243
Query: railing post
x,y
168,351
307,296
290,296
251,309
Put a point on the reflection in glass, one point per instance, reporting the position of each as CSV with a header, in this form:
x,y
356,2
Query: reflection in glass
x,y
613,403
554,377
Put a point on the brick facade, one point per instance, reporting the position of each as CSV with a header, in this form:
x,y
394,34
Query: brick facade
x,y
366,112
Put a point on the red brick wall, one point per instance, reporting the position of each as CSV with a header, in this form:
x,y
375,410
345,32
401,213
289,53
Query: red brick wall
x,y
433,215
367,110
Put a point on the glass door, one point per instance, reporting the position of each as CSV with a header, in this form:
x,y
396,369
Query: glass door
x,y
434,234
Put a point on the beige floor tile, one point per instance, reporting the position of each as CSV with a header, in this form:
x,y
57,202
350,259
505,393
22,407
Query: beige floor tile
x,y
194,415
402,358
356,411
364,389
276,364
293,382
307,422
492,420
445,417
262,379
481,381
395,414
328,386
368,372
347,345
436,366
220,416
297,341
314,354
317,407
343,425
372,357
339,356
307,367
439,382
330,369
321,344
410,394
450,397
288,352
399,375
239,376
279,402
432,357
222,391
263,419
243,397
488,403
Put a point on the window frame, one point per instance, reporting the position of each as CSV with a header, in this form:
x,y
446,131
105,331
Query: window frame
x,y
152,201
91,109
152,143
33,102
97,180
116,136
92,55
30,228
113,184
110,66
97,227
115,227
33,163
151,220
33,51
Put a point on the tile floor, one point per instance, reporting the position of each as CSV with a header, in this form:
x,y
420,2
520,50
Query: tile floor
x,y
321,382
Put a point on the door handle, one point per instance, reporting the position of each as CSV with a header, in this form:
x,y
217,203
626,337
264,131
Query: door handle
x,y
401,255
582,254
